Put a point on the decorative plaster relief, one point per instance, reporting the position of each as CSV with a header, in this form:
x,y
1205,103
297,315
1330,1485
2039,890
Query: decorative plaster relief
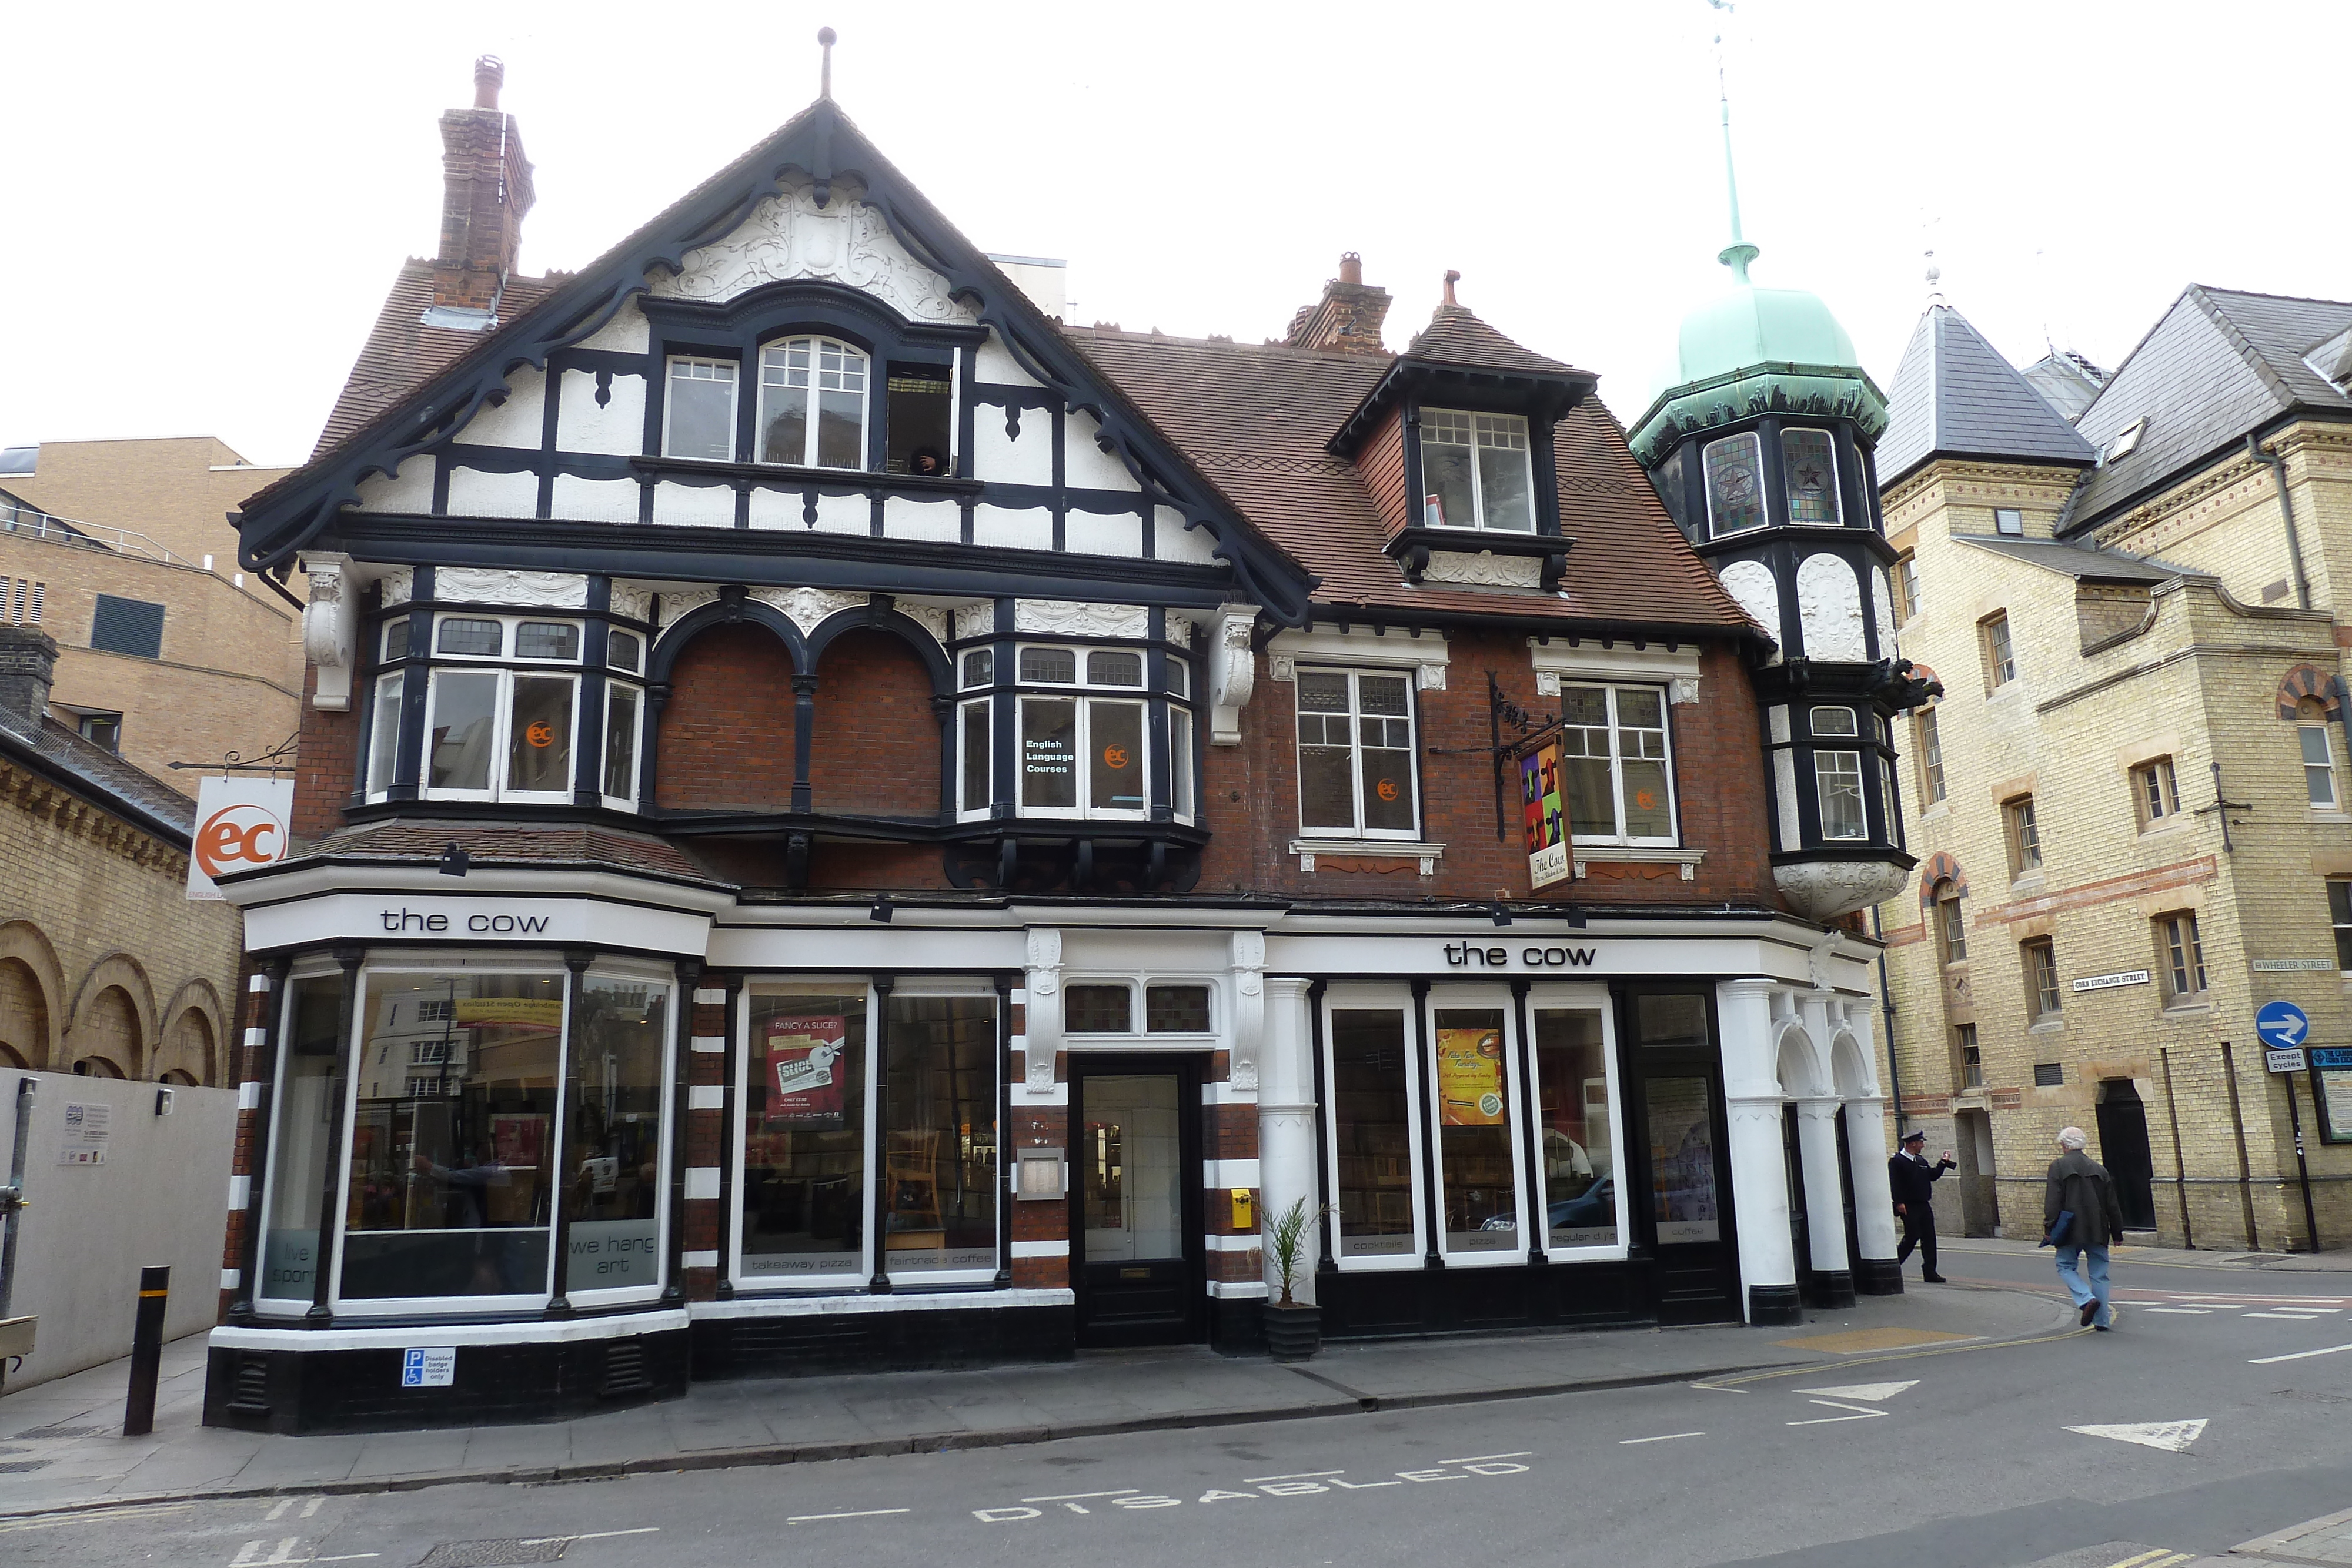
x,y
1829,609
328,632
531,590
789,236
931,618
975,619
632,602
398,582
1483,569
1248,976
1751,582
676,606
1823,889
1884,606
808,608
1232,671
1061,618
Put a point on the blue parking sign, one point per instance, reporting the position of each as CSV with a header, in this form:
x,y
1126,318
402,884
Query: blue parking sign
x,y
2283,1026
412,1369
433,1366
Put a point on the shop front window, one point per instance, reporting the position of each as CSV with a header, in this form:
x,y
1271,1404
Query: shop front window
x,y
938,1177
1476,1167
1372,1139
1575,1131
449,1192
613,1162
1682,1161
302,1121
804,1126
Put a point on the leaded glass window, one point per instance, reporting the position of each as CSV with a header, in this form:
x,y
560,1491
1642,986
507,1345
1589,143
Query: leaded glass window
x,y
1809,465
1734,484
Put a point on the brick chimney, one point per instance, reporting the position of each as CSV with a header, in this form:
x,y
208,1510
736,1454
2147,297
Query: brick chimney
x,y
1349,316
28,666
486,192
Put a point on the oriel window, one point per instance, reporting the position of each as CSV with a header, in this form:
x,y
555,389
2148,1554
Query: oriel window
x,y
1809,461
1734,484
1837,777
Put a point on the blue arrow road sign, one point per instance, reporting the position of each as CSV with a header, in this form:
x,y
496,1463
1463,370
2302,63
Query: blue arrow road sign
x,y
2282,1025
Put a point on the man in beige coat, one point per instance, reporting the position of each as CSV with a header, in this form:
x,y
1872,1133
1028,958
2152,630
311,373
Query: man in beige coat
x,y
2080,1191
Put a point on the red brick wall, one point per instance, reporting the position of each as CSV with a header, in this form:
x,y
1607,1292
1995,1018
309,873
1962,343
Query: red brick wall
x,y
726,736
329,751
877,743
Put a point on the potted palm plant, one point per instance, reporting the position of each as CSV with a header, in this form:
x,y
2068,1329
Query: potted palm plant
x,y
1293,1329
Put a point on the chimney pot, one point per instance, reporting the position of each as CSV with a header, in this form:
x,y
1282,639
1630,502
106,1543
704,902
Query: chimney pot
x,y
489,75
1451,278
29,667
1352,267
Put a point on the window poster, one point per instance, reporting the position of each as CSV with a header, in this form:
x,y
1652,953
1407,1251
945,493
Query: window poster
x,y
2334,1097
805,1055
1470,1077
1546,836
517,1015
1681,1159
518,1141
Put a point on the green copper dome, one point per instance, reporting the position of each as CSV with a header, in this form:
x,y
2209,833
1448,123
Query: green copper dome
x,y
1754,352
1752,326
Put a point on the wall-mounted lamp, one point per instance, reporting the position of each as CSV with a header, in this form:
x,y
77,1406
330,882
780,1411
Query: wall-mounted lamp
x,y
881,910
454,861
1502,916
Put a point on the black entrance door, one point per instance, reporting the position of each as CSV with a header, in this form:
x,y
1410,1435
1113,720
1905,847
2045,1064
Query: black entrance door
x,y
1680,1160
2123,1149
1136,1253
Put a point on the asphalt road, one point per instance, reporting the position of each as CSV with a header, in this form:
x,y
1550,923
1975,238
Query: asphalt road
x,y
1962,1456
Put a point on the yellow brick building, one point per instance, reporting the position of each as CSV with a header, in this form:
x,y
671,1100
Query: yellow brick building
x,y
2132,804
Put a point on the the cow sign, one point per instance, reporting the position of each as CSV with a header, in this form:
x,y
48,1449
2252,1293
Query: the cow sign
x,y
240,823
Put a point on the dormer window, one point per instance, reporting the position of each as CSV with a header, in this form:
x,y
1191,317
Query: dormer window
x,y
2126,441
1808,462
1474,471
813,403
1734,484
701,417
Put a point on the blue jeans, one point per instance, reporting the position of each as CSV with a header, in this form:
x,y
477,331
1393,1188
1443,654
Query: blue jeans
x,y
2069,1254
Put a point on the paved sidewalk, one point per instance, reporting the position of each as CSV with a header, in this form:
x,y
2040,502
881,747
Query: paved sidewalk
x,y
2327,1262
2327,1539
60,1446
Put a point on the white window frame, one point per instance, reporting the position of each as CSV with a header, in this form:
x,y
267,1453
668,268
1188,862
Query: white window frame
x,y
977,989
1085,693
817,343
1475,439
1357,997
986,703
837,1282
1837,490
1483,998
317,968
1139,984
1558,997
512,623
501,739
655,976
1763,497
1844,761
382,759
1184,763
1617,767
636,747
1359,833
734,381
2326,770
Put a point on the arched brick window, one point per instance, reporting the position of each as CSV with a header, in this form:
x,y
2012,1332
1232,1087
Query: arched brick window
x,y
2307,691
23,1016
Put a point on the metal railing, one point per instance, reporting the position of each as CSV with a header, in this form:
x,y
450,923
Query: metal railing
x,y
26,523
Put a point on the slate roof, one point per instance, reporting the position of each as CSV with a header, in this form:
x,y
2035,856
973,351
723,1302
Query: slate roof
x,y
2219,365
2066,381
1955,396
1456,336
56,751
1255,419
402,353
2079,561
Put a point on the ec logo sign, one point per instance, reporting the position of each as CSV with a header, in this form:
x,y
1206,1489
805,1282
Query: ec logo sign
x,y
241,823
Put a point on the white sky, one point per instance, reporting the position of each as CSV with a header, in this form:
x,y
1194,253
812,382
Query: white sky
x,y
209,201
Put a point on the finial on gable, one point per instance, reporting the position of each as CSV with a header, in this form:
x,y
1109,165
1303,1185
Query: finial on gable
x,y
824,39
1451,278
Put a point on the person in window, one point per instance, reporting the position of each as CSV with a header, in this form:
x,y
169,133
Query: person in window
x,y
929,461
1913,1180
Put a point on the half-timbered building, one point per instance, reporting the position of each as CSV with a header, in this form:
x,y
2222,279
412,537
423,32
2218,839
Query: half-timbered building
x,y
850,823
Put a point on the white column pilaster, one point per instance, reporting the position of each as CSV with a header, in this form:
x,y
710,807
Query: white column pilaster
x,y
1759,1190
1285,1125
1817,1150
1875,1272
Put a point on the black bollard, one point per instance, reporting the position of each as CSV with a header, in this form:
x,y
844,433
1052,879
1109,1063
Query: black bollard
x,y
146,1352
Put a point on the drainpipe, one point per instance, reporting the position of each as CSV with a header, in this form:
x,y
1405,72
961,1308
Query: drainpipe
x,y
1887,1004
2277,465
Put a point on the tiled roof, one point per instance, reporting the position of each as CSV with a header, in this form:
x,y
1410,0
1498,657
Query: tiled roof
x,y
402,353
408,840
2217,366
1955,396
1456,336
1254,418
98,775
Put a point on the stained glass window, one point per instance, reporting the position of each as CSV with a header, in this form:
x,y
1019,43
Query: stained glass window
x,y
1810,464
1735,484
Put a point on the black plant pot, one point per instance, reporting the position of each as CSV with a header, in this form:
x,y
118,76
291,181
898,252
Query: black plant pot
x,y
1293,1333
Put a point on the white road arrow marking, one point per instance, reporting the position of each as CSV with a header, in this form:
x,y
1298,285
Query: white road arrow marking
x,y
1868,1392
2171,1437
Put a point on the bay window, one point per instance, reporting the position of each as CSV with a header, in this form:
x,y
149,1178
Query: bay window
x,y
1838,776
1356,772
1614,766
502,734
1081,756
1474,471
813,398
483,1114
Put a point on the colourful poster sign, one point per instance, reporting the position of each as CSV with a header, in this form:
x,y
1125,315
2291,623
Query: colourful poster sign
x,y
1543,819
806,1054
528,1012
1470,1077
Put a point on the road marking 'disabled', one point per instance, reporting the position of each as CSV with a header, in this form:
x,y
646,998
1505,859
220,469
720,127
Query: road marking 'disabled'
x,y
2170,1436
1835,1405
856,1513
1664,1438
1868,1392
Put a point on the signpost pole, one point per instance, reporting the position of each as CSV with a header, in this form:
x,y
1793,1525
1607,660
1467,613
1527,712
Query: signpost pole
x,y
2302,1164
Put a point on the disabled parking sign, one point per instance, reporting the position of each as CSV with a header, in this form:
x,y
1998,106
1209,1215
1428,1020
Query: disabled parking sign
x,y
436,1367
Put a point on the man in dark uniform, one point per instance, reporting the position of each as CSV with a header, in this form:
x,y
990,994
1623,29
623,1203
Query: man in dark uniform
x,y
1912,1180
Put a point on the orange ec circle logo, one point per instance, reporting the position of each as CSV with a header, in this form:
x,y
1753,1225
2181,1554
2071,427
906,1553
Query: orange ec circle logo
x,y
1645,799
540,734
1114,757
238,835
1386,789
